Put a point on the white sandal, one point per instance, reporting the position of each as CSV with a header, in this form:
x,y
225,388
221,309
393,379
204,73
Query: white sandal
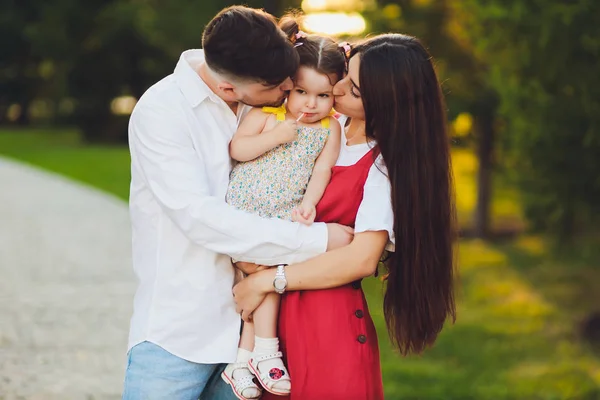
x,y
269,378
239,385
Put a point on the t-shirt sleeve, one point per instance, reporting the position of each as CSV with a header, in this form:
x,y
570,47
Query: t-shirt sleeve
x,y
375,212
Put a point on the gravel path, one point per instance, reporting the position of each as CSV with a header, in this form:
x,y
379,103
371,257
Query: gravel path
x,y
66,287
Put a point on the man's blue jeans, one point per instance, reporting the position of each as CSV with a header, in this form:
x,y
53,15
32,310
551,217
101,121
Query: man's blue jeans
x,y
154,373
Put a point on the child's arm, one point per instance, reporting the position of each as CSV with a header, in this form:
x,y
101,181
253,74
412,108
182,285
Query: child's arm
x,y
321,175
251,140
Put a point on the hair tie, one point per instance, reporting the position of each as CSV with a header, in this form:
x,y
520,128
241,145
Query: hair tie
x,y
301,35
346,48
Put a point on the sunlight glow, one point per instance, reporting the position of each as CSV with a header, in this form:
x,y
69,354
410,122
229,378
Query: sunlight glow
x,y
335,24
337,5
14,112
314,5
463,124
123,105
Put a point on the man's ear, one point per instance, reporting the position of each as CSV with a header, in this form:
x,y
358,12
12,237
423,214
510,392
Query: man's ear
x,y
227,90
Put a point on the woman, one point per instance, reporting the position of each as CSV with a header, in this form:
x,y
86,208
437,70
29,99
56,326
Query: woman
x,y
393,183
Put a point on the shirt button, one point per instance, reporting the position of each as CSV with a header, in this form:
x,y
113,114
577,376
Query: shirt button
x,y
356,284
361,339
359,313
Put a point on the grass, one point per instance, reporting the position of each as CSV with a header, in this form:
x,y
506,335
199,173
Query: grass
x,y
516,335
105,167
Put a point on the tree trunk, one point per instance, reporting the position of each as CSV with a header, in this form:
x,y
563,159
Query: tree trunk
x,y
23,119
484,129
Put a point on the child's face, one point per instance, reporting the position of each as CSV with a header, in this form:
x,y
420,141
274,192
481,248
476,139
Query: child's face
x,y
312,95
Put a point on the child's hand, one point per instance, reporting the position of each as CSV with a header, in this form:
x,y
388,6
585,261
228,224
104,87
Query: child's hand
x,y
287,131
305,214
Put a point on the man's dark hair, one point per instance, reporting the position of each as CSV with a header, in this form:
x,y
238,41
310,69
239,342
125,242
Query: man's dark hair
x,y
246,43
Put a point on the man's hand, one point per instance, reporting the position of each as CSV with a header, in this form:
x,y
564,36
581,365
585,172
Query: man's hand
x,y
304,213
338,236
249,268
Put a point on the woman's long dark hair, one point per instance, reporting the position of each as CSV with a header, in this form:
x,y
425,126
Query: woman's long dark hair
x,y
405,114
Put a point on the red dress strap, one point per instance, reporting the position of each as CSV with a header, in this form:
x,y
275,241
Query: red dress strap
x,y
365,161
370,157
343,195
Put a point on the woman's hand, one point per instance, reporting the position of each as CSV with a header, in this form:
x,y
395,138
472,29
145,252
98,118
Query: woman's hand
x,y
249,268
251,291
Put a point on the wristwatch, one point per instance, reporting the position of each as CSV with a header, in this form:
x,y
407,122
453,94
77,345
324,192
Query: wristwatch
x,y
280,282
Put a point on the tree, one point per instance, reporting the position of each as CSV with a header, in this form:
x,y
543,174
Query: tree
x,y
91,52
464,77
123,47
544,60
275,7
19,63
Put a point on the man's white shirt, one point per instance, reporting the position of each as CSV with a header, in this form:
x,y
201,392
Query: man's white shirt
x,y
183,231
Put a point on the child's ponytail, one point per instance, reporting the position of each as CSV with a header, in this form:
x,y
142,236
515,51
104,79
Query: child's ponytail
x,y
290,26
318,52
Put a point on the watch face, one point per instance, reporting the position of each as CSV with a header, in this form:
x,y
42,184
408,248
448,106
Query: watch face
x,y
280,284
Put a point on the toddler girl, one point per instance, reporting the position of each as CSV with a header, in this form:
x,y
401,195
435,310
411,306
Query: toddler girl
x,y
285,158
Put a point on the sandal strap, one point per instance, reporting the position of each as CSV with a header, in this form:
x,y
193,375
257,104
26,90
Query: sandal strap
x,y
258,359
239,365
245,382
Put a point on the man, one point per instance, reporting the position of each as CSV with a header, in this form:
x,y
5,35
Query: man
x,y
184,326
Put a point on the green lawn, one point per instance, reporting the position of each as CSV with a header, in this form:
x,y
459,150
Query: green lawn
x,y
62,151
519,305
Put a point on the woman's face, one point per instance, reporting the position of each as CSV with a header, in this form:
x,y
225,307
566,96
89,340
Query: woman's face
x,y
347,92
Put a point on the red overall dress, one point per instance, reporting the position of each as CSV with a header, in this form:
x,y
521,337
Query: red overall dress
x,y
327,336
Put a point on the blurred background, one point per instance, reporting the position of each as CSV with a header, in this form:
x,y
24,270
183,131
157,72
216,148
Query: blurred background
x,y
522,84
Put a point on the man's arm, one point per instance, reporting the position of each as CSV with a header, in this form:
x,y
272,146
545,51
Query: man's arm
x,y
162,150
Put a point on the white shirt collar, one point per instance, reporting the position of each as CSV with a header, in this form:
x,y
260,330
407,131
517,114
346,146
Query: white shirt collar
x,y
191,85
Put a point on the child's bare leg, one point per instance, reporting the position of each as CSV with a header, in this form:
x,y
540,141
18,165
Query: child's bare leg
x,y
266,343
247,337
265,317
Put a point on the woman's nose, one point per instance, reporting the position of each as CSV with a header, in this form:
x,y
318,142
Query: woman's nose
x,y
338,89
